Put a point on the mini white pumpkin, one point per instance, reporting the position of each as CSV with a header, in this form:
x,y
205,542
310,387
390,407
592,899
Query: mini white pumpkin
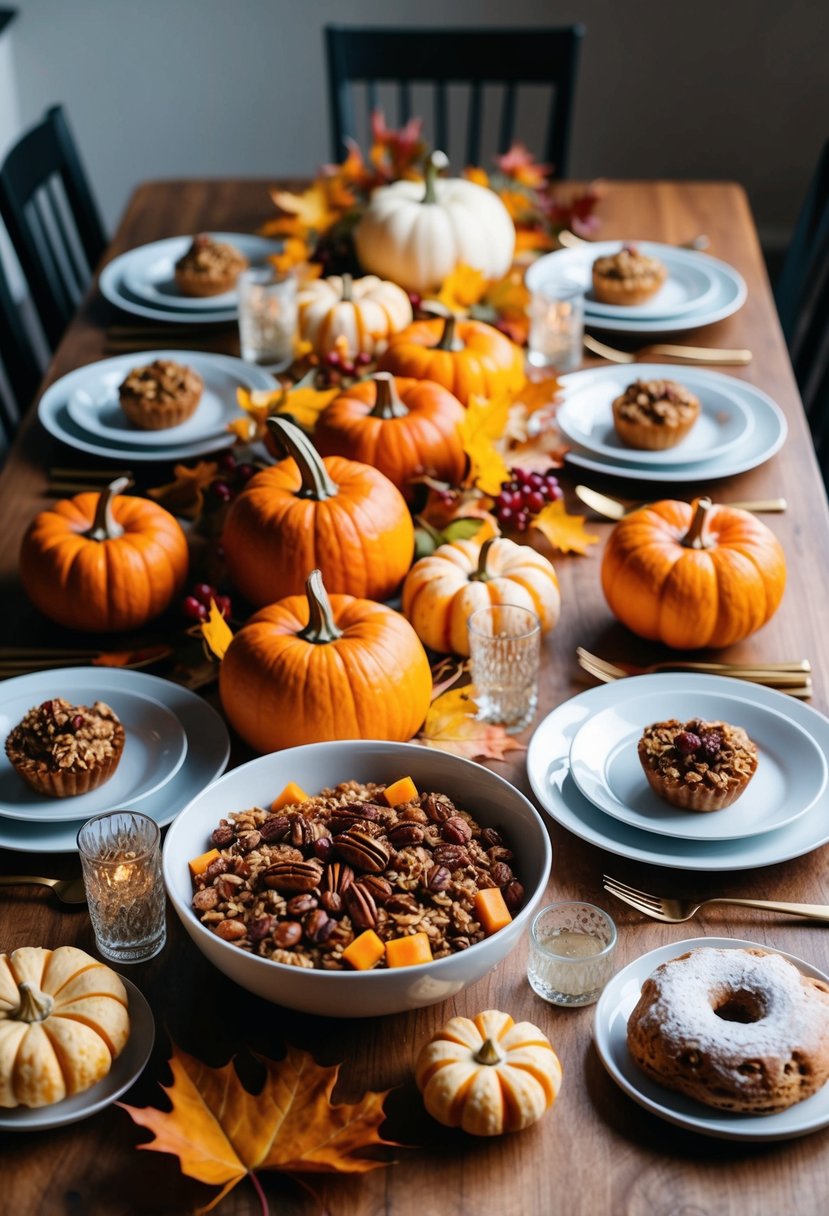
x,y
365,312
417,236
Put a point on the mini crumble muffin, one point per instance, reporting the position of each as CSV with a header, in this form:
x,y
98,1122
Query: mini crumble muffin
x,y
160,394
655,414
209,267
61,750
697,765
627,277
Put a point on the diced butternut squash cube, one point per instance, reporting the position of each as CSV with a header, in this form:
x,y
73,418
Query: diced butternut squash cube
x,y
408,951
403,790
292,793
364,951
491,910
199,864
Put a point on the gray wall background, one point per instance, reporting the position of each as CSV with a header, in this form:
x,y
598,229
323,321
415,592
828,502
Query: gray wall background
x,y
735,89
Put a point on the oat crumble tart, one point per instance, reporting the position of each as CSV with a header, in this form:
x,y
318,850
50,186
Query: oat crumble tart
x,y
160,394
697,765
655,414
300,884
209,267
627,277
61,750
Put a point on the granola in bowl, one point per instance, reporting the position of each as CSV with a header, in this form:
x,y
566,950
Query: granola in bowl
x,y
697,765
62,750
299,885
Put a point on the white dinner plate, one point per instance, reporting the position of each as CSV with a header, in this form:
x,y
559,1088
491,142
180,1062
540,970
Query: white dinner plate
x,y
725,419
125,1071
155,746
791,770
142,280
615,1006
548,767
694,304
208,749
96,408
763,440
93,379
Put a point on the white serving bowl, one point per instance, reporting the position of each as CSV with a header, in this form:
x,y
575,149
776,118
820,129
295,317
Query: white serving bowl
x,y
488,798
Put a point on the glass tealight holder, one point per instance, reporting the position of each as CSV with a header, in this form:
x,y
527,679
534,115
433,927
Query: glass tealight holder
x,y
267,317
121,862
556,335
504,657
572,948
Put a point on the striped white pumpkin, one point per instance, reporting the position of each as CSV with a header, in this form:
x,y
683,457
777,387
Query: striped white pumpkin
x,y
364,312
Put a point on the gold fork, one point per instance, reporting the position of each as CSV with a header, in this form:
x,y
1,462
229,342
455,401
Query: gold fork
x,y
687,354
792,678
68,890
674,911
613,509
570,241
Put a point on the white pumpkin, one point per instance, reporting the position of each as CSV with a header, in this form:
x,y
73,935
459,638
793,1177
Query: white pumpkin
x,y
365,312
417,236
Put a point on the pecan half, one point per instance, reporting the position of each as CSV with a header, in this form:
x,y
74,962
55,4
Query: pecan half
x,y
438,878
275,827
249,841
338,877
302,832
501,874
437,809
332,903
403,834
300,904
360,906
452,855
513,894
362,851
222,836
344,817
318,926
287,934
380,889
456,830
402,905
293,875
259,929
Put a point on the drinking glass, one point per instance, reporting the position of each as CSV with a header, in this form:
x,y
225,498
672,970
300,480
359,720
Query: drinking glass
x,y
267,317
556,326
571,953
121,863
504,653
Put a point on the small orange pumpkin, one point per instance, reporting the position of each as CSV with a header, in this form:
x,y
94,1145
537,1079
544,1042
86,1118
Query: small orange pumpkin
x,y
343,517
693,575
467,357
402,427
309,669
103,562
442,590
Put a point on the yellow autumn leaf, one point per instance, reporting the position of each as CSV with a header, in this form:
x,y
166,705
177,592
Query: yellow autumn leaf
x,y
216,632
508,296
452,725
462,288
564,532
483,426
184,495
306,404
474,173
487,415
311,209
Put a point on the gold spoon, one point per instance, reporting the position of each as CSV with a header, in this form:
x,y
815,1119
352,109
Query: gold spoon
x,y
613,509
688,354
68,890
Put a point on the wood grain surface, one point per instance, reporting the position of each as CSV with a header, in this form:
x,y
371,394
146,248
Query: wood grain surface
x,y
597,1152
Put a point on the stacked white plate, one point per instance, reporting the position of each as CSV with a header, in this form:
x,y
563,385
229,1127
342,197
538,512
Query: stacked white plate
x,y
82,408
738,427
698,290
142,281
176,744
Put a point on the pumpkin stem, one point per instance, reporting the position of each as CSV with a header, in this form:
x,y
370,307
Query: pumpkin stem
x,y
348,284
694,538
104,524
316,482
35,1006
388,403
436,162
488,1054
321,627
448,341
481,574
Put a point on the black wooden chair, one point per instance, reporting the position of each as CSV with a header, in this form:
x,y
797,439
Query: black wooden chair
x,y
52,219
484,60
802,298
19,369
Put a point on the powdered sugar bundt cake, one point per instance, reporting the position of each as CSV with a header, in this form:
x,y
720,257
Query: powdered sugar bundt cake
x,y
740,1030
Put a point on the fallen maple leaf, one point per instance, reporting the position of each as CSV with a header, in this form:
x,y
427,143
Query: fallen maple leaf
x,y
564,532
462,288
185,494
310,210
452,726
221,1133
483,425
216,632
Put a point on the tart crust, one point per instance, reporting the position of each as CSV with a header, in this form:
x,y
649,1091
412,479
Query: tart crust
x,y
209,267
627,277
61,750
160,394
697,780
655,414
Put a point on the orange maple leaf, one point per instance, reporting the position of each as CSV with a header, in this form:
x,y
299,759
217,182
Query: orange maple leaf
x,y
311,210
462,288
221,1132
452,726
520,164
185,494
564,532
216,632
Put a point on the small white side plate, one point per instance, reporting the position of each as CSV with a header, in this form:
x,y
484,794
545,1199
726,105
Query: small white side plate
x,y
615,1006
126,1069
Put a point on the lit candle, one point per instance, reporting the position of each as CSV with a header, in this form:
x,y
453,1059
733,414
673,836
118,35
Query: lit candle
x,y
121,864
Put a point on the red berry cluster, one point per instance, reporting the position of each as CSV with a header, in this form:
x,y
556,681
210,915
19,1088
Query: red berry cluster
x,y
523,496
196,605
234,477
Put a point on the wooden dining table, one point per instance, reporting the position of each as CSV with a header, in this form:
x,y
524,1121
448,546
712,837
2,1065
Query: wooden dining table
x,y
597,1152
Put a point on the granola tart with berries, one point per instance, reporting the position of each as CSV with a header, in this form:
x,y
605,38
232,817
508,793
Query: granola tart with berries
x,y
697,765
160,394
655,414
627,277
61,750
209,267
300,884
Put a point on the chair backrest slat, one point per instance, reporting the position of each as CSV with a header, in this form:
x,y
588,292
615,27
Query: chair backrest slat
x,y
474,123
18,364
505,138
441,115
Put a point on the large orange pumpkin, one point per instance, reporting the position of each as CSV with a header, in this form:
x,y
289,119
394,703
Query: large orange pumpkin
x,y
693,575
442,590
402,427
467,357
309,669
103,561
343,517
